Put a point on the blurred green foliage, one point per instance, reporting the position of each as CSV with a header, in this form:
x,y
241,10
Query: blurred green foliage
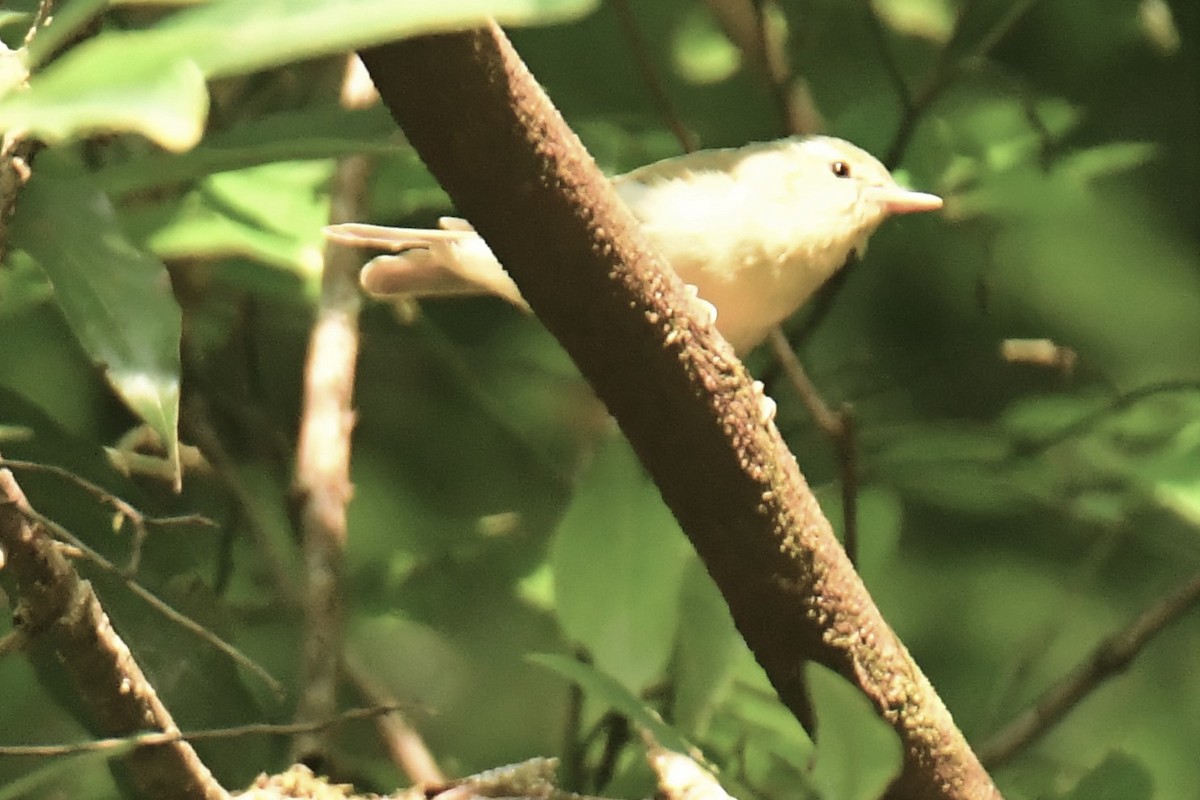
x,y
1012,514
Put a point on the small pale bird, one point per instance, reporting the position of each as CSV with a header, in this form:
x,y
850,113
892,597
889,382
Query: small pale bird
x,y
755,229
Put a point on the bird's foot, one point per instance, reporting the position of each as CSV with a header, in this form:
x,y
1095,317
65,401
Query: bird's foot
x,y
705,310
766,405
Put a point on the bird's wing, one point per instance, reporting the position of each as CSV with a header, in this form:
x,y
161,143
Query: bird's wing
x,y
679,167
452,260
396,240
699,162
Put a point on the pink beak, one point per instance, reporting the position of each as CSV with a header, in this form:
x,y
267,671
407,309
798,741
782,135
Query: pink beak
x,y
898,200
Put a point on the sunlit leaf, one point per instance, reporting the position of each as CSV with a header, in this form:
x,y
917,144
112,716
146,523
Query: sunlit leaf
x,y
271,213
231,37
116,298
1108,159
927,19
703,54
164,99
152,81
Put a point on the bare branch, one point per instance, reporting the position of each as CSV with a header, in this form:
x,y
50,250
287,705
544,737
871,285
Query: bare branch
x,y
491,137
127,511
67,632
406,746
1112,657
322,482
154,601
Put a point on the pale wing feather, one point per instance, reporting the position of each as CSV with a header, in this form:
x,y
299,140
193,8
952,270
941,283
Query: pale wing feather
x,y
450,261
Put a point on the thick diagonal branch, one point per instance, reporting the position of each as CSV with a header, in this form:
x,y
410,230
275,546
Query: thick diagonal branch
x,y
67,632
511,165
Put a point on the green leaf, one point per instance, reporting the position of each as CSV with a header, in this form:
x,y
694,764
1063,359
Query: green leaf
x,y
152,81
1182,498
270,213
857,754
702,53
955,466
66,22
1106,160
618,559
116,298
611,692
927,19
707,650
313,133
162,98
232,37
14,17
1118,777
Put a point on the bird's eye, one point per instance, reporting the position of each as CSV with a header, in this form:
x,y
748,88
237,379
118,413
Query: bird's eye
x,y
841,169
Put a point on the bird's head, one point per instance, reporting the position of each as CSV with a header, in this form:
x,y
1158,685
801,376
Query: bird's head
x,y
843,190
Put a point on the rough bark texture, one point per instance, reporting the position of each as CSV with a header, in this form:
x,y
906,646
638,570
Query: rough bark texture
x,y
71,639
511,165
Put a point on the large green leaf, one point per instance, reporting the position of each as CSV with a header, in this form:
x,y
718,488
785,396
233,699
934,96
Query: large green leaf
x,y
233,37
857,753
162,98
1117,777
272,213
116,298
151,81
706,650
618,560
323,132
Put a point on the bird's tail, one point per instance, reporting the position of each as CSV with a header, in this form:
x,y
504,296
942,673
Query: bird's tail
x,y
450,261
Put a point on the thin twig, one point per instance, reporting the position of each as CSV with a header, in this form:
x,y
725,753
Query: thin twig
x,y
70,637
1089,421
847,454
41,16
140,521
891,64
407,747
161,606
651,77
124,743
1110,658
827,419
945,71
322,483
837,425
273,559
775,70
